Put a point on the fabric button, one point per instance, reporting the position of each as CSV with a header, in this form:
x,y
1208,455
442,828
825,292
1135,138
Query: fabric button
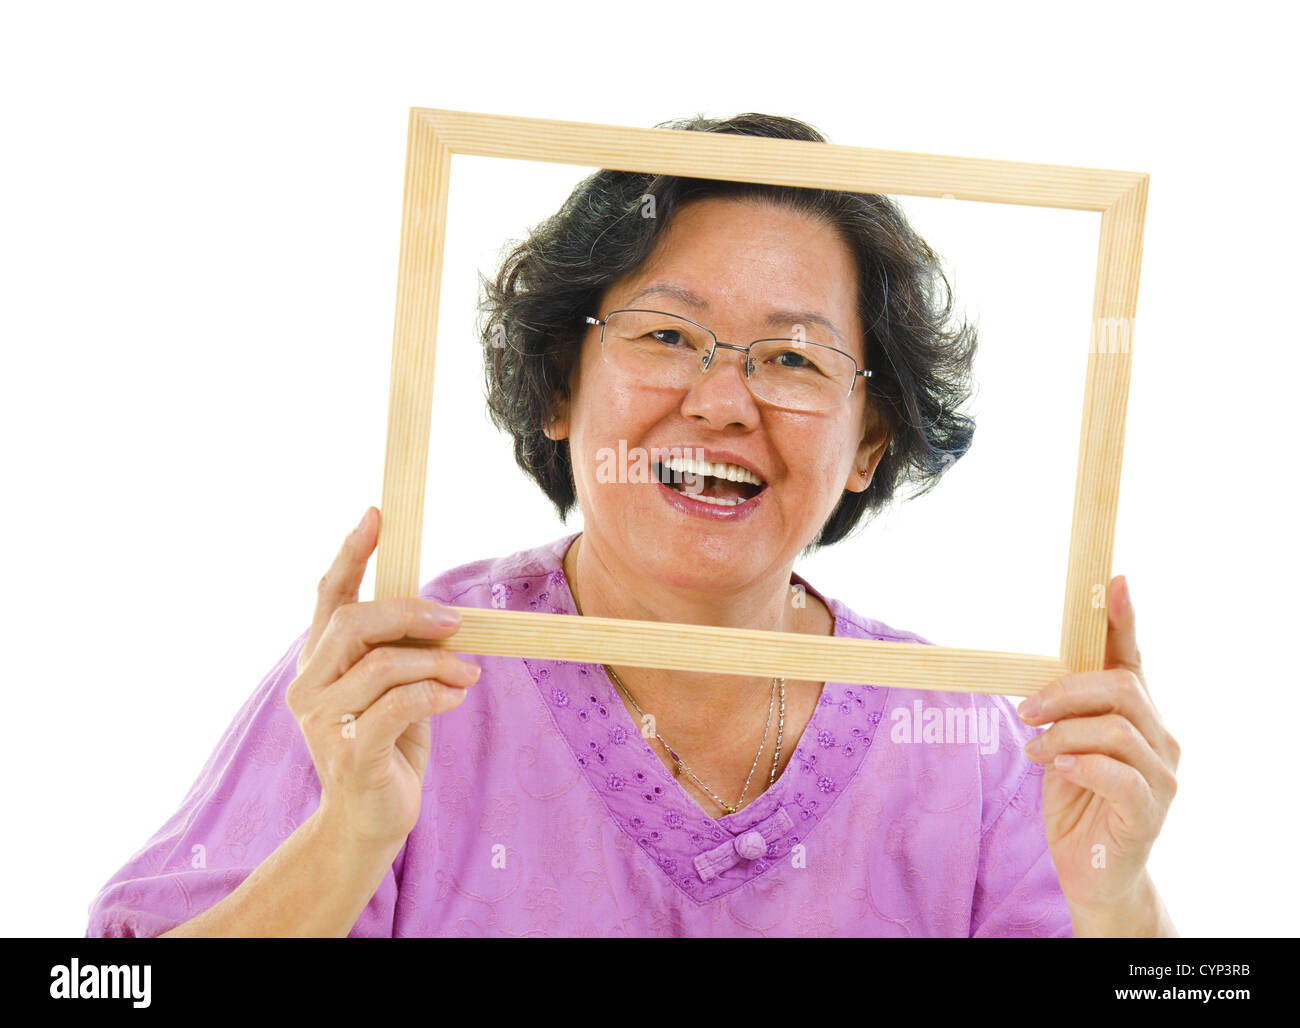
x,y
748,845
751,845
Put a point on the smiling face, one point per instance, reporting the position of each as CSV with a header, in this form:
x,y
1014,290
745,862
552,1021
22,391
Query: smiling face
x,y
744,261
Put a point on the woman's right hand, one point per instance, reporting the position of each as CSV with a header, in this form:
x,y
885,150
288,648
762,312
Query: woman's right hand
x,y
363,707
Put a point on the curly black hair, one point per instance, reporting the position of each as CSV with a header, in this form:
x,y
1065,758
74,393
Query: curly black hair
x,y
531,317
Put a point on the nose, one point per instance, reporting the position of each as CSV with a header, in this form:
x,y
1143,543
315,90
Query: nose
x,y
721,394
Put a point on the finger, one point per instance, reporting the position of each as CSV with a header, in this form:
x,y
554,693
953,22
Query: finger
x,y
398,709
391,667
357,628
1093,693
1119,784
1112,736
1121,630
341,584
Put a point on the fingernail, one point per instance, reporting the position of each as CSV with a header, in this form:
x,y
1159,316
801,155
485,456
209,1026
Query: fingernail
x,y
1064,762
447,619
362,523
1128,597
1030,708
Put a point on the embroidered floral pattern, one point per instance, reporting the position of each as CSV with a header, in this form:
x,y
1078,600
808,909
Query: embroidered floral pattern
x,y
826,753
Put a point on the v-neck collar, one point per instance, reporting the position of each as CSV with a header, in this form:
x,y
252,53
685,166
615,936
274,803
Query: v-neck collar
x,y
704,857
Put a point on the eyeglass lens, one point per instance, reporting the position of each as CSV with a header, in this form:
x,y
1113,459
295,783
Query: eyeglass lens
x,y
667,351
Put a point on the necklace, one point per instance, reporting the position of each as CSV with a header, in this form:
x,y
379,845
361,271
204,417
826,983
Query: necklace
x,y
681,765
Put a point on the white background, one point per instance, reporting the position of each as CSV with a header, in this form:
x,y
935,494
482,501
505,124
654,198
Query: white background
x,y
198,259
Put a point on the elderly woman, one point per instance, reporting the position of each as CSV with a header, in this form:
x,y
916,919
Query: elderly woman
x,y
722,376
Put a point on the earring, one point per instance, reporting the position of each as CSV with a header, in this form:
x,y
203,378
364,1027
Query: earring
x,y
864,474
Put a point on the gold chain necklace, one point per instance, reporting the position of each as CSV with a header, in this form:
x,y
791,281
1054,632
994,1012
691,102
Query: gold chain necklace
x,y
680,765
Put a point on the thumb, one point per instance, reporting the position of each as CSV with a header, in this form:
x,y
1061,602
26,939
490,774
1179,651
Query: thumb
x,y
1121,630
341,584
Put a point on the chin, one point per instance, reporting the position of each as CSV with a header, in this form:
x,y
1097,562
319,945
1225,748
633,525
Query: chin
x,y
706,557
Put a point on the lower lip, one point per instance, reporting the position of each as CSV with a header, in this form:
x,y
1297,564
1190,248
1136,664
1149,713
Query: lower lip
x,y
711,511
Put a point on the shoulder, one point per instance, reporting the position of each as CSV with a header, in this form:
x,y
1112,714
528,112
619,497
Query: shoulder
x,y
849,623
512,581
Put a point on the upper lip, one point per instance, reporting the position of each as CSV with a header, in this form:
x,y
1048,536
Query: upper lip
x,y
711,455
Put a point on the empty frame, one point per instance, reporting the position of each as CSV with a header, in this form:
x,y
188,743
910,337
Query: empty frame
x,y
1120,197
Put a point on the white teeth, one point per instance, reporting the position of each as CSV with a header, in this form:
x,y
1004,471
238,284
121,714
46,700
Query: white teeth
x,y
716,501
730,472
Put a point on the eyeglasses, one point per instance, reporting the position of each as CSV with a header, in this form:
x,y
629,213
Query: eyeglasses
x,y
669,351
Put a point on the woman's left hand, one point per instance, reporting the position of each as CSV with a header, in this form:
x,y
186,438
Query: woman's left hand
x,y
1108,783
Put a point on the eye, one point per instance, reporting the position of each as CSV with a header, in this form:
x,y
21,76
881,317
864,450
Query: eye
x,y
674,334
810,362
804,365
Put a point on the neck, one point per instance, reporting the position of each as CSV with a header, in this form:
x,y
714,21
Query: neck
x,y
599,582
609,588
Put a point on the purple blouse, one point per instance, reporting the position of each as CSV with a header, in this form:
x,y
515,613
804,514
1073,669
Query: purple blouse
x,y
901,812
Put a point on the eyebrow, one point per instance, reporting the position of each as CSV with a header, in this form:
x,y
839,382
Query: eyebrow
x,y
777,317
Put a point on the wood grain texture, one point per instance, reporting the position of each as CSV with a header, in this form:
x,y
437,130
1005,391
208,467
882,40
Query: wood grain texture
x,y
410,389
1101,437
779,161
435,135
655,644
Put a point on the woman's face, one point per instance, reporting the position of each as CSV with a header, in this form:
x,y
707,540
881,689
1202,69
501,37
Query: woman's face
x,y
743,260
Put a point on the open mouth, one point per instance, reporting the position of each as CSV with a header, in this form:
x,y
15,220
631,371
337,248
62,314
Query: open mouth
x,y
724,485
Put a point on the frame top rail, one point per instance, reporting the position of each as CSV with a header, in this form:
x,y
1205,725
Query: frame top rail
x,y
787,162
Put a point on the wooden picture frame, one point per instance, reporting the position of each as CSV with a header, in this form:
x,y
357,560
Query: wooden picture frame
x,y
1120,196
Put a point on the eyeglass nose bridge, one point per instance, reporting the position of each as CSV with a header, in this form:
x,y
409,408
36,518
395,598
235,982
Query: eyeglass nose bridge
x,y
707,359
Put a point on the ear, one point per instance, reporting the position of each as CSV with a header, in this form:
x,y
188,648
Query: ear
x,y
868,455
557,427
